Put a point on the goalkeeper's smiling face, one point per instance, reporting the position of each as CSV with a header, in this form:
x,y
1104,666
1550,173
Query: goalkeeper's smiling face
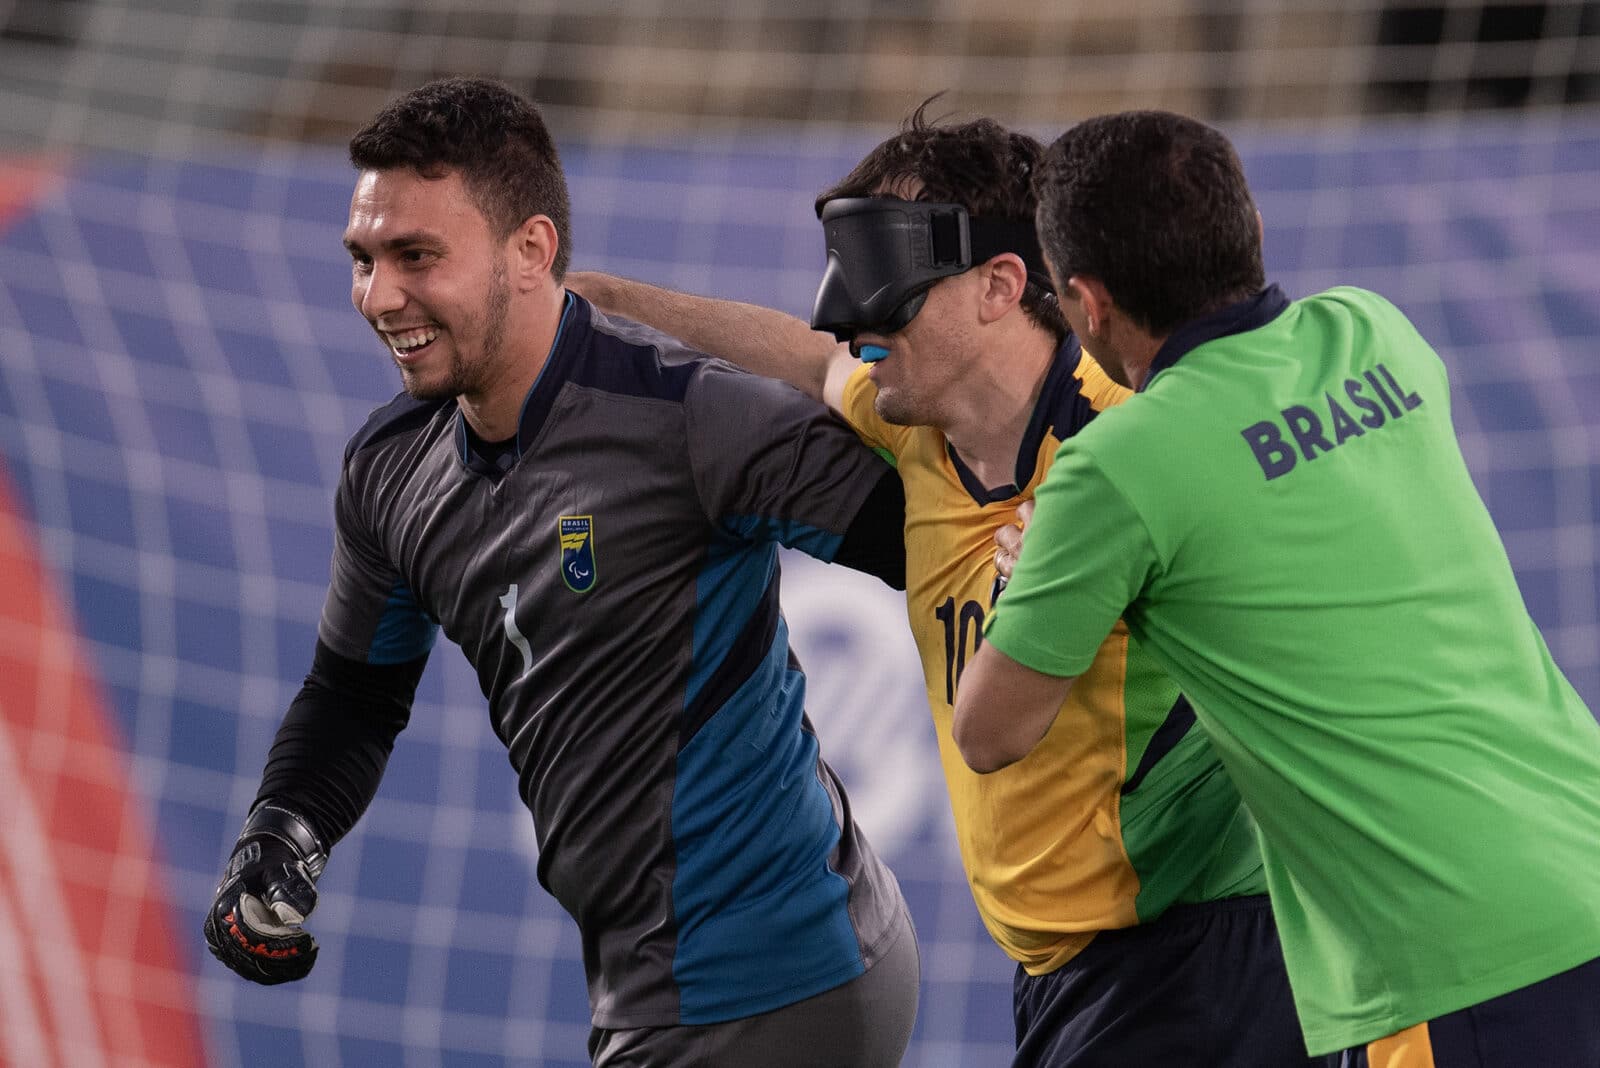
x,y
429,274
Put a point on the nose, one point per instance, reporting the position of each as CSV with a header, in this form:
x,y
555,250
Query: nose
x,y
377,293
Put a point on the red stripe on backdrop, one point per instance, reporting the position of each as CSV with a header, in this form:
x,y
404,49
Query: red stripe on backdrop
x,y
21,181
90,971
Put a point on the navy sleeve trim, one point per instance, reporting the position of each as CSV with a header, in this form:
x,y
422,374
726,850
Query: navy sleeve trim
x,y
875,541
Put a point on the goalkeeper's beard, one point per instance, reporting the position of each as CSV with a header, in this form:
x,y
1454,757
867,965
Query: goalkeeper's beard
x,y
461,376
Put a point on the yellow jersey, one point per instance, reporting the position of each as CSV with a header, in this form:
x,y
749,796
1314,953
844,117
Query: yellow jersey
x,y
1122,809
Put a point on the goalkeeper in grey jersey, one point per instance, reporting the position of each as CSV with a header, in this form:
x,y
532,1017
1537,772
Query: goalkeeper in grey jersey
x,y
592,513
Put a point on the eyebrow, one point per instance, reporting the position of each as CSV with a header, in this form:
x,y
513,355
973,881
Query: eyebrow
x,y
411,237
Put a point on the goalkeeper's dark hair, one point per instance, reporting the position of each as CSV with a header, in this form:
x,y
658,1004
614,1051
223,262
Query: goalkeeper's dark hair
x,y
978,164
1156,206
493,136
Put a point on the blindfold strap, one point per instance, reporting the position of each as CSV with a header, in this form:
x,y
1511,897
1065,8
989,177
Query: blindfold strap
x,y
991,237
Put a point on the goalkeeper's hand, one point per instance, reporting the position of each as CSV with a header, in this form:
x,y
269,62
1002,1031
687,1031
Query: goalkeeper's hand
x,y
268,889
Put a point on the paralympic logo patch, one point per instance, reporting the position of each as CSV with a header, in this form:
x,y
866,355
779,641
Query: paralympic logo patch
x,y
577,552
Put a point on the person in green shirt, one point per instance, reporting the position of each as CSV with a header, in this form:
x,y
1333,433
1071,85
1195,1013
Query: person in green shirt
x,y
1282,516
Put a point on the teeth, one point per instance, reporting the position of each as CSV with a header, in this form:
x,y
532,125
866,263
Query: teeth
x,y
412,339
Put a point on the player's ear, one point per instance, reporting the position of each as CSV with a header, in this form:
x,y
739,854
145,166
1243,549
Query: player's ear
x,y
1005,276
533,247
1095,299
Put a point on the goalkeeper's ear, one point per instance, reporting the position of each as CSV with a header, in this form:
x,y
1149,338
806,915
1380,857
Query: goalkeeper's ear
x,y
534,246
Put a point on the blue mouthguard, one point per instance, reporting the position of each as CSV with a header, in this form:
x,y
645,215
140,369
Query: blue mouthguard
x,y
873,353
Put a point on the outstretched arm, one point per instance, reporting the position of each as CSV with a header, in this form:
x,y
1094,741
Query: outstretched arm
x,y
763,340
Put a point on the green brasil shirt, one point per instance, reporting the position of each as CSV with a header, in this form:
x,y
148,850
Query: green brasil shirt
x,y
1284,519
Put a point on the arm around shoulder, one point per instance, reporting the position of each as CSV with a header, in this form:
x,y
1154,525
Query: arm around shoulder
x,y
763,340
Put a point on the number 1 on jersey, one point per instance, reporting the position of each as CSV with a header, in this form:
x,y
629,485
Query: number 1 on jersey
x,y
508,601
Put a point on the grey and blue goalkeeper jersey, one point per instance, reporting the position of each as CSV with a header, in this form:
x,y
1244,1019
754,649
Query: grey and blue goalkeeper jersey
x,y
613,579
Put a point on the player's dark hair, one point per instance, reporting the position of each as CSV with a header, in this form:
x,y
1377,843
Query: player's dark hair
x,y
493,136
1156,206
978,164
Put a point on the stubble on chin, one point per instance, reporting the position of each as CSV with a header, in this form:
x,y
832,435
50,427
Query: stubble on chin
x,y
419,388
415,389
893,409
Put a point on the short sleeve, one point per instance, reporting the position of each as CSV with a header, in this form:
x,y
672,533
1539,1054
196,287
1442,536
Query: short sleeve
x,y
1085,557
772,464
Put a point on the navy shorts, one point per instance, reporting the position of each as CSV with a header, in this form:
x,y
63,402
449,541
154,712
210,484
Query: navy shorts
x,y
1199,985
1554,1023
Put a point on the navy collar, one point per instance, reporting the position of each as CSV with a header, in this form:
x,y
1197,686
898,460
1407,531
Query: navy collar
x,y
1248,314
1043,419
495,459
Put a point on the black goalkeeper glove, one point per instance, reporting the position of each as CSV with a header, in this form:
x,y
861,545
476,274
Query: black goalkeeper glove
x,y
268,889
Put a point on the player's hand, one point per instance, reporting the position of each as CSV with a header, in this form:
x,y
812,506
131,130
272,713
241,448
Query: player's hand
x,y
1008,541
268,889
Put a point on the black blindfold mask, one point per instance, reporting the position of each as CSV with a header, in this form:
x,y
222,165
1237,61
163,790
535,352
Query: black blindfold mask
x,y
885,253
